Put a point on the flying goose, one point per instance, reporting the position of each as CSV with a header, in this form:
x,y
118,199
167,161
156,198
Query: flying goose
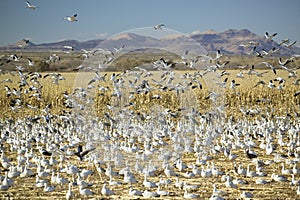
x,y
270,66
71,18
270,37
80,153
30,6
289,45
158,27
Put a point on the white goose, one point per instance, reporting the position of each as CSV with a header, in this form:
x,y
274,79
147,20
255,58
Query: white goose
x,y
270,37
48,188
187,195
285,171
148,184
71,18
133,192
69,194
158,27
85,192
30,6
106,191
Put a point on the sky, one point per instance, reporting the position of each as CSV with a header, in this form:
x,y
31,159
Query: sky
x,y
103,18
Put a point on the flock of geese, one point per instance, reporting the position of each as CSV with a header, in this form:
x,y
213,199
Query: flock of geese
x,y
162,154
166,153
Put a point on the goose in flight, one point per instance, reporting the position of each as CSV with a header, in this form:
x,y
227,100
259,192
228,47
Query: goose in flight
x,y
30,62
270,66
30,6
158,27
270,37
289,45
71,18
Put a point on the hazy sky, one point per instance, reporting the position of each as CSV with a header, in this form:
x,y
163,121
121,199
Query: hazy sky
x,y
103,18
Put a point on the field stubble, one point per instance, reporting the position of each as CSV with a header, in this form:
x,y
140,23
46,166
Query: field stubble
x,y
245,96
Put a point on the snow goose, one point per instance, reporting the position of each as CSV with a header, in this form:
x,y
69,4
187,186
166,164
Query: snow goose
x,y
61,180
269,65
285,171
158,27
39,182
129,178
85,192
7,181
189,187
217,192
85,173
26,172
111,182
133,192
250,173
169,172
187,195
148,184
278,178
261,181
69,194
106,191
230,184
162,192
30,6
246,195
289,45
4,187
205,173
82,183
71,18
148,194
294,181
241,171
13,173
298,190
270,36
48,188
295,170
215,197
179,184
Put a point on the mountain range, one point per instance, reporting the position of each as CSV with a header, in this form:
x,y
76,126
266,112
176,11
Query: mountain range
x,y
229,42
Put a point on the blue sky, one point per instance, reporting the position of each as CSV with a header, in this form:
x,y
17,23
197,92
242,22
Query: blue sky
x,y
103,18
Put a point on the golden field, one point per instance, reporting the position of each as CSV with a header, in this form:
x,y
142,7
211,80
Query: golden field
x,y
244,96
71,101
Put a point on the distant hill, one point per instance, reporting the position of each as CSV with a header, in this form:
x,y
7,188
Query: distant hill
x,y
230,42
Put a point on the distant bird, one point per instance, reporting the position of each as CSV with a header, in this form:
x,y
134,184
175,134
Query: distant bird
x,y
106,191
22,43
284,41
271,85
30,6
80,153
158,27
118,49
251,154
68,47
233,84
30,62
296,82
71,18
289,45
287,61
269,65
219,55
270,37
296,93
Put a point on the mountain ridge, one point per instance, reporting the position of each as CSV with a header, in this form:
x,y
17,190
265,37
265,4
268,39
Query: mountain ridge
x,y
230,41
